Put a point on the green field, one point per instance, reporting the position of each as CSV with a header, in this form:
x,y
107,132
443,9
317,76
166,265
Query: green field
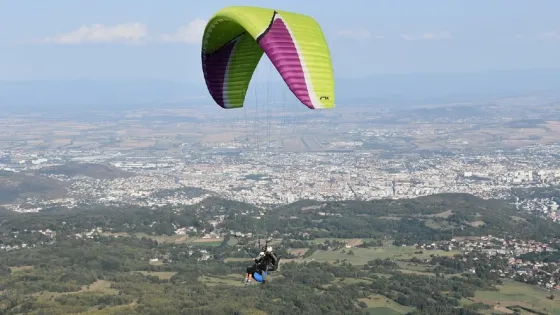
x,y
515,293
99,286
379,304
231,279
419,269
102,286
175,239
164,275
20,268
363,255
225,280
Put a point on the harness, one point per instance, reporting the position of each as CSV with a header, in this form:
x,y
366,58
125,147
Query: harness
x,y
272,262
267,263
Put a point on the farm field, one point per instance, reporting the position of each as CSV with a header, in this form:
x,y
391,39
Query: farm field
x,y
175,239
518,294
163,275
381,305
361,256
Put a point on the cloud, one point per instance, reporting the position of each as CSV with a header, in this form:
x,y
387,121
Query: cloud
x,y
551,35
428,36
355,34
187,34
99,33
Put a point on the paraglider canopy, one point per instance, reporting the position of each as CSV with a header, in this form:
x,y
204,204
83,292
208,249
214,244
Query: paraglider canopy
x,y
234,41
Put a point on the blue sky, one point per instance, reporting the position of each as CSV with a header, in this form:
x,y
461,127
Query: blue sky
x,y
138,39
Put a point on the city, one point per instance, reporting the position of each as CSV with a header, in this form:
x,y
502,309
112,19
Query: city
x,y
343,164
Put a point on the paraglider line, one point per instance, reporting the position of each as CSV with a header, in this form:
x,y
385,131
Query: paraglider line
x,y
245,248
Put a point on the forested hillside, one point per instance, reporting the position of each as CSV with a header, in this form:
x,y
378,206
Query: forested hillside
x,y
351,257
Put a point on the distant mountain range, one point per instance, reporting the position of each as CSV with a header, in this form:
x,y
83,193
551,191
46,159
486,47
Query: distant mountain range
x,y
383,89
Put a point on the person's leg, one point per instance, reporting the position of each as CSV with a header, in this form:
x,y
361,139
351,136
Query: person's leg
x,y
246,275
249,274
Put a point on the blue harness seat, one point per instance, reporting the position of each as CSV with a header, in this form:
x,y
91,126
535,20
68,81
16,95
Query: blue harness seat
x,y
259,277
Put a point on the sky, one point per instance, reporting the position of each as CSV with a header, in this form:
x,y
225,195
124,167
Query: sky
x,y
141,39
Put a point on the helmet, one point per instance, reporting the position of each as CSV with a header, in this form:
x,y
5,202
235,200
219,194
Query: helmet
x,y
269,249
